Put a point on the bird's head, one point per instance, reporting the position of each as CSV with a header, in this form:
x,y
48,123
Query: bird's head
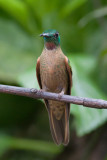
x,y
51,39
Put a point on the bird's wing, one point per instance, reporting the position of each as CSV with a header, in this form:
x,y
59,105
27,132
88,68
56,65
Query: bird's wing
x,y
38,72
39,79
69,72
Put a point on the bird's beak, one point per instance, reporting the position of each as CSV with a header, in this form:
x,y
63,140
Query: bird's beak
x,y
44,35
41,35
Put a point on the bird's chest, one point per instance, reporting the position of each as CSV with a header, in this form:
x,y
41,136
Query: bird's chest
x,y
52,70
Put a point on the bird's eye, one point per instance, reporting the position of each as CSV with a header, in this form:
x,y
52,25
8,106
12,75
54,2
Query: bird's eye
x,y
56,35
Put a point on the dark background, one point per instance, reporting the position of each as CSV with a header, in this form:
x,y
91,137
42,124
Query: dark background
x,y
24,126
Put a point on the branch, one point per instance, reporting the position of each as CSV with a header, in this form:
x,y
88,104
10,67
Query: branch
x,y
36,94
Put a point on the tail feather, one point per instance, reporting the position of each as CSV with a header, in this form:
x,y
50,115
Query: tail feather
x,y
60,128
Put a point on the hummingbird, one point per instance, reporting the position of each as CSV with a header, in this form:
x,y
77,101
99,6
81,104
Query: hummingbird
x,y
54,74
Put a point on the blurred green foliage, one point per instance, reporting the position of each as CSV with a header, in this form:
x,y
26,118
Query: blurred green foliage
x,y
82,25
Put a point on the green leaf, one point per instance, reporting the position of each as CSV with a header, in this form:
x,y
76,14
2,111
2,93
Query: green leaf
x,y
7,142
70,7
20,12
86,119
102,72
100,12
28,79
18,51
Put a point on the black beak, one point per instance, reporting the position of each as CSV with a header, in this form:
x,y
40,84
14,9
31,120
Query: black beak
x,y
44,35
41,35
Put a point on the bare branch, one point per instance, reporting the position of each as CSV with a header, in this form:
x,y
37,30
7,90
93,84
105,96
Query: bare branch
x,y
36,94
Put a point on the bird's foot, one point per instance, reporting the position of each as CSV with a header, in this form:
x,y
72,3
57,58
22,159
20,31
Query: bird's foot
x,y
41,91
61,94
